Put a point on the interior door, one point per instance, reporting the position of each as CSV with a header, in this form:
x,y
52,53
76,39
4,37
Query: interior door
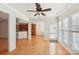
x,y
33,29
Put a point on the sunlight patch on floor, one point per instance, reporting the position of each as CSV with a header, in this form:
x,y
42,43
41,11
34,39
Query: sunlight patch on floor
x,y
52,49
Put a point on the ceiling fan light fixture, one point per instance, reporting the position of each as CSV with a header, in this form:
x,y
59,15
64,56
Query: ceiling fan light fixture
x,y
39,10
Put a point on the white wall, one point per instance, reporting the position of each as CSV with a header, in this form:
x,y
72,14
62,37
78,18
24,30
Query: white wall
x,y
22,21
3,28
29,31
12,32
40,28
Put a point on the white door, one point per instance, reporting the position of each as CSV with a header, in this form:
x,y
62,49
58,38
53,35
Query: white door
x,y
52,34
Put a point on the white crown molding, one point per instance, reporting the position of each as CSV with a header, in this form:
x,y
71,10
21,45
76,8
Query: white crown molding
x,y
21,15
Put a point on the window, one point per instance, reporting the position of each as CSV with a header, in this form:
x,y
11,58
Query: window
x,y
60,25
65,31
65,24
60,30
75,41
65,37
74,22
75,31
68,32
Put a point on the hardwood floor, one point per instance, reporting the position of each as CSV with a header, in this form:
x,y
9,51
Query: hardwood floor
x,y
3,45
61,50
37,46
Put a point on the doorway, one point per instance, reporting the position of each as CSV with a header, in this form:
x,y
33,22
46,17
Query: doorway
x,y
3,32
33,29
38,28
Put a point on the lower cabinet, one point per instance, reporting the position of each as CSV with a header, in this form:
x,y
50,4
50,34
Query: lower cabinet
x,y
22,35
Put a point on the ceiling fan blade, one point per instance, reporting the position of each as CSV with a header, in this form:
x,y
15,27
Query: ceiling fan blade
x,y
43,14
48,9
35,14
31,11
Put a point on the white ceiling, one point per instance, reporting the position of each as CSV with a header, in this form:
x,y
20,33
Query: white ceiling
x,y
23,7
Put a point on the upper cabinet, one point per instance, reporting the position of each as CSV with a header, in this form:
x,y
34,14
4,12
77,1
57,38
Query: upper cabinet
x,y
22,27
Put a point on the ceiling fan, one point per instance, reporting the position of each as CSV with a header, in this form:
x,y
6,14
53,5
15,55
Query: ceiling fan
x,y
39,10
